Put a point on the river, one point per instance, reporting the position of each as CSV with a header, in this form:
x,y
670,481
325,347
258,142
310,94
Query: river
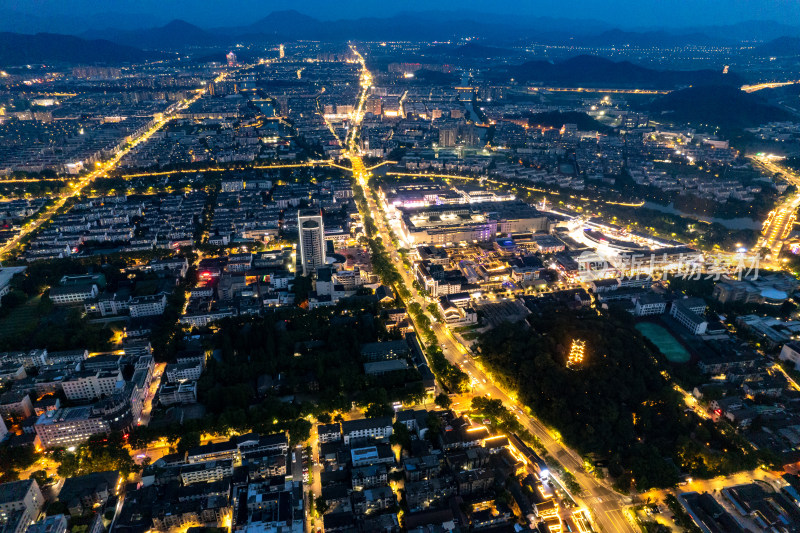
x,y
266,108
730,223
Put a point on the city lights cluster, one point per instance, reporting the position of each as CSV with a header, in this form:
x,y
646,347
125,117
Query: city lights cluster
x,y
576,353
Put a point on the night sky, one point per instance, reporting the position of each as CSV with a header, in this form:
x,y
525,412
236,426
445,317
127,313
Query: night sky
x,y
625,13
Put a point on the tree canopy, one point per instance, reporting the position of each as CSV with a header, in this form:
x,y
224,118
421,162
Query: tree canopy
x,y
618,404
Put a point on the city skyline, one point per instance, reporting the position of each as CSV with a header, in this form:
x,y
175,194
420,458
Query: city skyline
x,y
628,14
447,270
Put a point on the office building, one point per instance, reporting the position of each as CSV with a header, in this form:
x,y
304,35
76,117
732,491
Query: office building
x,y
312,240
90,384
206,472
183,371
650,304
366,428
791,352
69,427
178,393
687,313
73,294
152,305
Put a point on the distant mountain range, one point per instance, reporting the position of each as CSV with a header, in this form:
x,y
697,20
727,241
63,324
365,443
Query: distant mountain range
x,y
175,35
724,106
291,25
780,47
21,49
142,31
586,71
592,71
751,30
500,37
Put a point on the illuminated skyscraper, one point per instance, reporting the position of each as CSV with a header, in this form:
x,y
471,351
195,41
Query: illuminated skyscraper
x,y
374,106
312,240
231,59
281,52
447,137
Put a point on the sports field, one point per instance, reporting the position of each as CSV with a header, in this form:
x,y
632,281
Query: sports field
x,y
662,338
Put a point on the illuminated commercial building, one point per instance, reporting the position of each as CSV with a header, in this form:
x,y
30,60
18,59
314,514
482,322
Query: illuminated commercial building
x,y
467,223
69,427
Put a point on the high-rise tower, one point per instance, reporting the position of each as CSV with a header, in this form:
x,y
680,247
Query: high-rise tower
x,y
312,240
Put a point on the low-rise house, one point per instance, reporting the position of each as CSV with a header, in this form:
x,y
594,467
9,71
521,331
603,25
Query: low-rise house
x,y
365,477
50,524
329,432
20,504
82,493
15,404
379,368
372,455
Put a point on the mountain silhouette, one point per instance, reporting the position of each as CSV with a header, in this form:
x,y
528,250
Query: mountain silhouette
x,y
175,35
21,49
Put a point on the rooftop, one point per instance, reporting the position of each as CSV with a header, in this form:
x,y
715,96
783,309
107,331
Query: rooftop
x,y
14,491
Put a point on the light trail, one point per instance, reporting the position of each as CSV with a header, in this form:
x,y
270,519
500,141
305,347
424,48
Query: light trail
x,y
780,221
31,180
768,85
593,90
313,163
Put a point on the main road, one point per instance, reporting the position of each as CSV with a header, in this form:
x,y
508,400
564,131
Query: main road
x,y
606,505
781,220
